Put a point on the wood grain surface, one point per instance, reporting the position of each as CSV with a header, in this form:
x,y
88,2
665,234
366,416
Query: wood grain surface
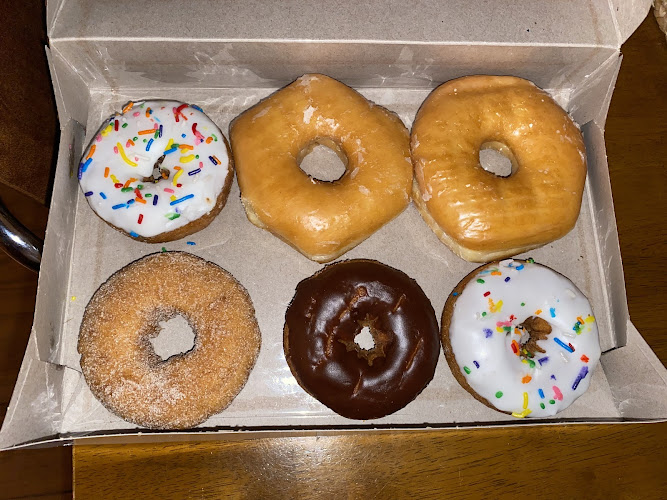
x,y
575,461
44,473
26,101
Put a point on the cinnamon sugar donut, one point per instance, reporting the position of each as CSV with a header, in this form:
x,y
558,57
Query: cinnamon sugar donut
x,y
121,367
321,219
479,215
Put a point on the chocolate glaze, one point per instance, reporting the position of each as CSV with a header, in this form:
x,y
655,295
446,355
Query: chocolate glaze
x,y
330,309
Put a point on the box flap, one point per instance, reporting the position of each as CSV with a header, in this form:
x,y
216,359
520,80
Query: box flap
x,y
538,22
34,411
637,378
628,15
52,9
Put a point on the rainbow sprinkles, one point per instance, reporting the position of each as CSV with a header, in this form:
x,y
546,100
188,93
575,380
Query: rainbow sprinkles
x,y
507,354
132,179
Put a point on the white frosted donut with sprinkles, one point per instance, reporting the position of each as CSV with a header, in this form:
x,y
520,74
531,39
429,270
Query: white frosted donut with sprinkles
x,y
521,338
158,171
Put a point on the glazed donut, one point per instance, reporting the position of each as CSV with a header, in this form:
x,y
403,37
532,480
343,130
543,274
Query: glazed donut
x,y
520,338
481,216
331,308
126,375
320,219
159,171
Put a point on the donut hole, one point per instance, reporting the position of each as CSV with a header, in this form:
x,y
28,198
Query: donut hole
x,y
159,172
364,339
497,158
322,160
533,329
175,336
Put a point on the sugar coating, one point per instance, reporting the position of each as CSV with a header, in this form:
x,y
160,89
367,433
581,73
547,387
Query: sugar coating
x,y
120,365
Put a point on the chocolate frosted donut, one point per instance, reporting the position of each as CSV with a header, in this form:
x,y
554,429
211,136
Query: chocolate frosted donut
x,y
331,308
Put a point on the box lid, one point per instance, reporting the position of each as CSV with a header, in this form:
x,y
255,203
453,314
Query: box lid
x,y
606,23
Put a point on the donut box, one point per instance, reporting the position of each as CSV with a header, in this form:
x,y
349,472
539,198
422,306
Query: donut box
x,y
224,58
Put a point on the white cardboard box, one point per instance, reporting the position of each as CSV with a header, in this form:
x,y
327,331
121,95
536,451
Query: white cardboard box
x,y
225,56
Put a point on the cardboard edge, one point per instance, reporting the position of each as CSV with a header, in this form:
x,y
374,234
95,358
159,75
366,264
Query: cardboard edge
x,y
651,357
40,417
637,378
143,437
628,15
53,8
244,435
601,117
70,105
606,232
593,117
54,277
602,81
55,81
600,28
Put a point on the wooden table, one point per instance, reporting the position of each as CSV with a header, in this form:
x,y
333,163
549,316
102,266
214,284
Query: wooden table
x,y
617,461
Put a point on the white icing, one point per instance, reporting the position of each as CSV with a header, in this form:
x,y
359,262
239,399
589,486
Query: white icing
x,y
543,293
308,114
314,222
332,124
427,193
305,80
205,185
261,113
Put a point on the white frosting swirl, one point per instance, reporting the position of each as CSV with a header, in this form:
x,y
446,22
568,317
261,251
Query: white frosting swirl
x,y
489,346
124,152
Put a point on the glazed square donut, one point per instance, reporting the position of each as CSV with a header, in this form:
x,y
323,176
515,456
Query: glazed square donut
x,y
321,219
